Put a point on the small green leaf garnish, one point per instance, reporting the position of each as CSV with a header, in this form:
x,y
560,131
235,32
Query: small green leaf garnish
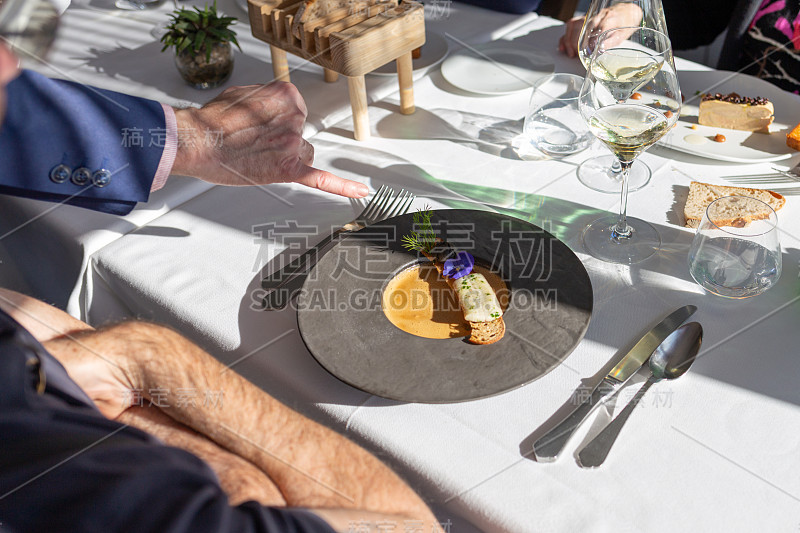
x,y
422,239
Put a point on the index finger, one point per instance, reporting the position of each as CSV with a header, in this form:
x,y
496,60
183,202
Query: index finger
x,y
325,181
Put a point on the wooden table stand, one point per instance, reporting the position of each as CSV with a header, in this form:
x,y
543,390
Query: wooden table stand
x,y
347,42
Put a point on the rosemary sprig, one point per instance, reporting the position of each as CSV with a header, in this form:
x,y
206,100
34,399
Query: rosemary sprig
x,y
422,239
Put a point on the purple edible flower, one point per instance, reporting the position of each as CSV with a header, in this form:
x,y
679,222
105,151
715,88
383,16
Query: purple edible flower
x,y
459,266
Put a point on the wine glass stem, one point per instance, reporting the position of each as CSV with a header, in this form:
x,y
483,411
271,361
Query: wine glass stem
x,y
622,230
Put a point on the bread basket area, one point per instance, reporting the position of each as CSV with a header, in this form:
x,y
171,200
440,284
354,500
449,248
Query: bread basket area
x,y
351,40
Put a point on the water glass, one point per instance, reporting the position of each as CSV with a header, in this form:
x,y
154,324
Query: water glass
x,y
732,257
553,123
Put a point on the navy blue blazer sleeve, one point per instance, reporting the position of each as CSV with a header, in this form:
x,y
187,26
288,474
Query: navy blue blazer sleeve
x,y
62,141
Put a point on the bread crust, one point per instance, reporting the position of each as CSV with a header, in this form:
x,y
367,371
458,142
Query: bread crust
x,y
702,194
487,332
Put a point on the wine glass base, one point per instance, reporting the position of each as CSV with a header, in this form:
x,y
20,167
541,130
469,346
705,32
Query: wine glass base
x,y
596,174
601,240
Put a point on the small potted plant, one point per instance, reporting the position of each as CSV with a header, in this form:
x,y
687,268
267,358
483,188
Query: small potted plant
x,y
202,41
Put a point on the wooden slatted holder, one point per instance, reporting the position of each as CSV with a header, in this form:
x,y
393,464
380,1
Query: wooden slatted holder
x,y
350,41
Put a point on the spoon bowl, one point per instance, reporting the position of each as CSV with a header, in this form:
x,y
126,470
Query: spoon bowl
x,y
675,355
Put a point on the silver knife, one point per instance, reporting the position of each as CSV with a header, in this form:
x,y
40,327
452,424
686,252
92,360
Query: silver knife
x,y
549,445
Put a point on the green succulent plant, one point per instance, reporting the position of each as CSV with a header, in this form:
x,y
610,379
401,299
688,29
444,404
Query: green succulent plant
x,y
198,29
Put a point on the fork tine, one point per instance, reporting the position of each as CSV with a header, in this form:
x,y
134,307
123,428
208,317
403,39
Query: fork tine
x,y
371,201
390,209
407,206
402,205
373,204
397,198
378,205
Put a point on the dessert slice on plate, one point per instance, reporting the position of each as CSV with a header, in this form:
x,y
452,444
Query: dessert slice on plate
x,y
736,112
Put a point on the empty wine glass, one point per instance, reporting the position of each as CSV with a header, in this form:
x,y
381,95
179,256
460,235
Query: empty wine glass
x,y
630,98
603,173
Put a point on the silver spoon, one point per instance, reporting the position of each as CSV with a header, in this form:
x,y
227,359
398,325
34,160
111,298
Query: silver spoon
x,y
671,360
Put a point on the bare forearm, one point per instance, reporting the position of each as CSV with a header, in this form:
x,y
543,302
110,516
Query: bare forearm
x,y
312,465
241,480
42,320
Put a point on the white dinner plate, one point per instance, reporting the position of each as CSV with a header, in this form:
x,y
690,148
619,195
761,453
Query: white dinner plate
x,y
497,68
739,146
433,52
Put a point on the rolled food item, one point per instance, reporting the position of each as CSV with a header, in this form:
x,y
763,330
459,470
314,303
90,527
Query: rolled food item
x,y
476,297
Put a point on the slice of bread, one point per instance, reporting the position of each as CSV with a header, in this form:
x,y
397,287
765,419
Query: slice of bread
x,y
487,332
702,194
793,138
323,12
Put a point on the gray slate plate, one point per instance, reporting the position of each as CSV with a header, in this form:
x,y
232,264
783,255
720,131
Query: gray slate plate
x,y
344,328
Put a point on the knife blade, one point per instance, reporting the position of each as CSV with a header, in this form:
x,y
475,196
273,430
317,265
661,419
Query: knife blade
x,y
548,446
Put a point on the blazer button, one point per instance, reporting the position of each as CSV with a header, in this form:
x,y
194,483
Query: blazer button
x,y
81,176
101,178
60,173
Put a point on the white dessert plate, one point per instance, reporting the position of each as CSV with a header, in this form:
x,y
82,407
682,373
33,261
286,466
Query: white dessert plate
x,y
433,52
739,146
497,68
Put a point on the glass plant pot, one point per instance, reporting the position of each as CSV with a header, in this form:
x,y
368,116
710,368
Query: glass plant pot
x,y
202,74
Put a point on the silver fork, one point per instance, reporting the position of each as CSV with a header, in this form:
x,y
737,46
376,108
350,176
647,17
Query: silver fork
x,y
291,277
780,176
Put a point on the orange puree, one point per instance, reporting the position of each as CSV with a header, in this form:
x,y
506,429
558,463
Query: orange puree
x,y
419,301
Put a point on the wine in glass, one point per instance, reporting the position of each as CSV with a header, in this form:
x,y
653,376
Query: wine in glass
x,y
603,173
630,99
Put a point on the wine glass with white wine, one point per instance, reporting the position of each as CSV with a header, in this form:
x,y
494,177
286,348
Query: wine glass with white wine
x,y
630,99
603,173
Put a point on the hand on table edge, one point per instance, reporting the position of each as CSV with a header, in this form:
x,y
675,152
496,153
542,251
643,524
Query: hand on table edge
x,y
260,130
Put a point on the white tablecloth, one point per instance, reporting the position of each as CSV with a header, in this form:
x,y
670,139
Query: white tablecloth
x,y
716,450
